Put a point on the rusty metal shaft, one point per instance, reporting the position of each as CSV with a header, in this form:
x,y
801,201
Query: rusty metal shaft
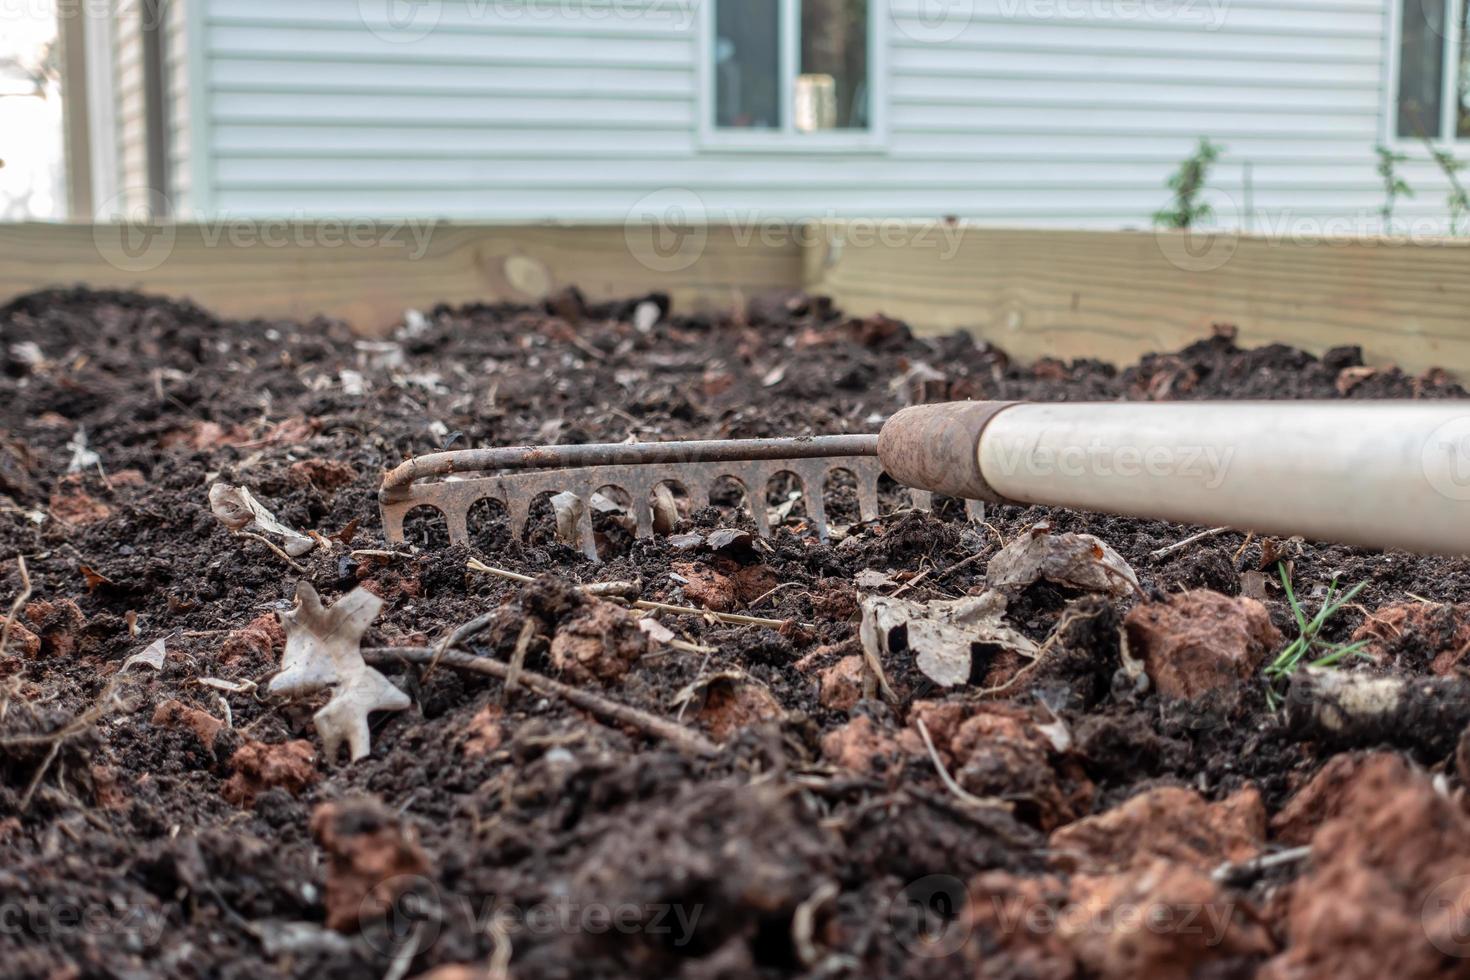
x,y
398,480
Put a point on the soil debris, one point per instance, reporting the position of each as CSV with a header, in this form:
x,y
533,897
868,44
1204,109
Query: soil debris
x,y
1200,642
370,861
1388,882
259,766
599,642
1169,822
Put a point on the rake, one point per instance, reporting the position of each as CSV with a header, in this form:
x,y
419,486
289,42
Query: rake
x,y
1377,474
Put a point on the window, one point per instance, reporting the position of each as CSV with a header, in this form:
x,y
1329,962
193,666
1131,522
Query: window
x,y
796,73
1433,70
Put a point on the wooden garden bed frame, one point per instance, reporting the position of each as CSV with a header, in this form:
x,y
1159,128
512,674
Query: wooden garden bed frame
x,y
1065,294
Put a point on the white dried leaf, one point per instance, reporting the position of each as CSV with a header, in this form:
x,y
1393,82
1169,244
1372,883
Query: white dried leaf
x,y
646,316
941,635
379,355
232,687
153,656
774,376
82,458
779,513
353,383
568,509
656,631
415,324
29,353
872,579
238,510
323,650
1077,561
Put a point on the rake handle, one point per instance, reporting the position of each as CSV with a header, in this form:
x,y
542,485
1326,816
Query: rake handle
x,y
1385,474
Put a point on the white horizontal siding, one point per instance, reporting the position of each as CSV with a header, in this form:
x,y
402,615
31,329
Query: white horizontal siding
x,y
1045,112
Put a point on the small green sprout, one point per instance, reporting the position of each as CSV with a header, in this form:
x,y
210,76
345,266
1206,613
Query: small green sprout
x,y
1309,649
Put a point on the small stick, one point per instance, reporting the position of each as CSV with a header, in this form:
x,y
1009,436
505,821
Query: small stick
x,y
460,634
1249,537
1165,552
1243,872
271,545
20,600
615,588
518,658
608,710
959,791
940,576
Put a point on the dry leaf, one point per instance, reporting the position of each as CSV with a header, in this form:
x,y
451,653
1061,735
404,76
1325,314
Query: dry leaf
x,y
665,509
871,578
728,538
238,510
153,657
941,635
1077,561
657,632
82,458
323,651
568,509
94,578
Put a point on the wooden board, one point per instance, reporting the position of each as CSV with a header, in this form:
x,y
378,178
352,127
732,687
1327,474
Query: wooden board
x,y
1116,295
289,269
1036,293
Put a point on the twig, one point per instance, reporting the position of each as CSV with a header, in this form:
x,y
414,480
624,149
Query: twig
x,y
941,576
615,588
732,618
603,707
1243,872
25,800
959,791
460,634
803,923
1249,537
271,545
1046,647
518,658
627,590
20,600
1165,552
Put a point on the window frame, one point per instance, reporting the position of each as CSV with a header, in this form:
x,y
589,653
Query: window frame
x,y
1449,99
788,139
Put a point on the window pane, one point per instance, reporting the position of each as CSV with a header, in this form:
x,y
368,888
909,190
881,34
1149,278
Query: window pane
x,y
1462,111
1421,68
832,92
747,64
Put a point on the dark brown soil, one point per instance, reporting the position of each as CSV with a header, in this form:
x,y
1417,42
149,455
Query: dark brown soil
x,y
819,841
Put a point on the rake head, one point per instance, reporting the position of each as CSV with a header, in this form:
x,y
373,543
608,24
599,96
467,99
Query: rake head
x,y
452,483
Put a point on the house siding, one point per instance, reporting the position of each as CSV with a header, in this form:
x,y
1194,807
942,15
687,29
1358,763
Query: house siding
x,y
1033,112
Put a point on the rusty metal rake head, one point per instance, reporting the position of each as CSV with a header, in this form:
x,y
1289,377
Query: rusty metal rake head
x,y
454,482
